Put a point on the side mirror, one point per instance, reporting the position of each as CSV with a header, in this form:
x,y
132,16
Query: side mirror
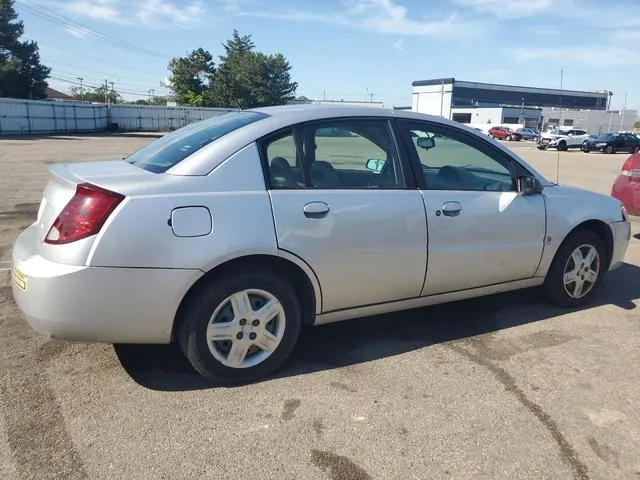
x,y
375,164
529,185
426,142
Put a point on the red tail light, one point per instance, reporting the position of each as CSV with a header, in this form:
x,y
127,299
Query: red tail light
x,y
629,170
84,215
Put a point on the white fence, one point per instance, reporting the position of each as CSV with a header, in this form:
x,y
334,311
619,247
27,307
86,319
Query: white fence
x,y
23,117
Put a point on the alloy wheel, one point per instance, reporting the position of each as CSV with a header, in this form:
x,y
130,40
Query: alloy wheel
x,y
581,271
246,328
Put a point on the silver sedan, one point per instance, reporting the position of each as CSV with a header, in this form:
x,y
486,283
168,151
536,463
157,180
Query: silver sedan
x,y
229,235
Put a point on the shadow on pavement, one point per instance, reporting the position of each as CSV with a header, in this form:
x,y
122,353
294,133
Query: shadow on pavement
x,y
164,368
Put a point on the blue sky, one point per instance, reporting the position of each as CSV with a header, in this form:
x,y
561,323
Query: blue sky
x,y
348,49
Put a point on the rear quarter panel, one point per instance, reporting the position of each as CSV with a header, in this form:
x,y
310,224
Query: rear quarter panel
x,y
140,234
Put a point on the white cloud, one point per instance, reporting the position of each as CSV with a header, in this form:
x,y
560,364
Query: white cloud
x,y
508,8
148,13
544,30
593,56
106,10
381,16
152,12
399,45
627,36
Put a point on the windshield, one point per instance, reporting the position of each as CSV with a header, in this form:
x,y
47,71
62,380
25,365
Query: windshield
x,y
161,155
606,136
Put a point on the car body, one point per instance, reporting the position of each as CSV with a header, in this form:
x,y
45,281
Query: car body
x,y
529,133
229,234
613,143
563,139
627,185
504,133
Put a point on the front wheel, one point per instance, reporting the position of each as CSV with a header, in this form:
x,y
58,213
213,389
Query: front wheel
x,y
608,149
240,327
562,146
577,270
509,138
635,149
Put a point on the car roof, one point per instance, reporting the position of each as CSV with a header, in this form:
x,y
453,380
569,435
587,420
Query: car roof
x,y
283,116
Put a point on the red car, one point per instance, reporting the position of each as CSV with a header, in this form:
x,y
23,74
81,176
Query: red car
x,y
627,186
504,133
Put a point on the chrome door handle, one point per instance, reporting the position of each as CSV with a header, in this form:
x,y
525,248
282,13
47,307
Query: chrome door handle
x,y
315,209
451,209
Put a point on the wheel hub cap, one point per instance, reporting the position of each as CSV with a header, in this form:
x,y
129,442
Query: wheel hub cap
x,y
246,328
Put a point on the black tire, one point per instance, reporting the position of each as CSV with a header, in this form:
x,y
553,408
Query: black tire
x,y
509,138
635,149
196,315
562,146
554,287
608,149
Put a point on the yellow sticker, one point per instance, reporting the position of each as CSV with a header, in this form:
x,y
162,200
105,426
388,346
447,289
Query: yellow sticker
x,y
20,279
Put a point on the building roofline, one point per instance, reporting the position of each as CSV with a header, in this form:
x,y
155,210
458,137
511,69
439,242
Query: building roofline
x,y
495,86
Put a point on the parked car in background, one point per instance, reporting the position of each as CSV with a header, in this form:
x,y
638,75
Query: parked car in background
x,y
613,143
627,186
529,133
228,235
563,139
504,133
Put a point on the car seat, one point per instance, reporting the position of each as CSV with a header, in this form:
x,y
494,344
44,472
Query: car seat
x,y
281,173
323,175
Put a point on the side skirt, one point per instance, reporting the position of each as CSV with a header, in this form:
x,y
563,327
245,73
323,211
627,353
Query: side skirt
x,y
380,308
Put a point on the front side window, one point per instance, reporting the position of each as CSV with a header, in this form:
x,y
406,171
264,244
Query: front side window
x,y
449,163
161,155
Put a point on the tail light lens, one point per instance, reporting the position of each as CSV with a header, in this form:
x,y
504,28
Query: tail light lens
x,y
629,171
84,215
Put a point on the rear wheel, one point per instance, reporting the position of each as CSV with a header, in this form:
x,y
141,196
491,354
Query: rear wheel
x,y
608,149
240,327
509,138
577,270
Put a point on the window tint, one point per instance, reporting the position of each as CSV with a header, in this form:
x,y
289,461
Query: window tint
x,y
352,154
282,162
171,149
452,164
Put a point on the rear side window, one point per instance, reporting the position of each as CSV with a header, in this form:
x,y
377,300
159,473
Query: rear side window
x,y
161,155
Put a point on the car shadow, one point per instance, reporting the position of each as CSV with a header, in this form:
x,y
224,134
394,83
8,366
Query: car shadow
x,y
164,367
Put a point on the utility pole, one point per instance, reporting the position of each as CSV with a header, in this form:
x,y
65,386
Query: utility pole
x,y
112,91
151,90
81,90
106,92
623,110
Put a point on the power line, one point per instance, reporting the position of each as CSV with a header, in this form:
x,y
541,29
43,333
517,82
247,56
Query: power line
x,y
95,58
54,17
74,82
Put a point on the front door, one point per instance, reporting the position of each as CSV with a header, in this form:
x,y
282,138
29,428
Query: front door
x,y
481,231
341,203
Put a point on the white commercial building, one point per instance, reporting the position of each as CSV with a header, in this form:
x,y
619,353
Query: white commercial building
x,y
484,105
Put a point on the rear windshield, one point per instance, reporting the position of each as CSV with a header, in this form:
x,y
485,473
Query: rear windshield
x,y
161,155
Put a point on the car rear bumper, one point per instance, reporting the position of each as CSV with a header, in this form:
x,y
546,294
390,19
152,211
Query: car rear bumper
x,y
621,235
628,192
96,304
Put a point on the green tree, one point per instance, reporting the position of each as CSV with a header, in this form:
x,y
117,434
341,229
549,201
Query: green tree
x,y
155,100
637,124
190,76
246,78
21,73
97,94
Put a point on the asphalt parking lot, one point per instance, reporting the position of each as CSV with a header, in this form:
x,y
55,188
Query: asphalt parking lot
x,y
503,387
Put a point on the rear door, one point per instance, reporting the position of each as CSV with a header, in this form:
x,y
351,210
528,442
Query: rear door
x,y
481,231
343,202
